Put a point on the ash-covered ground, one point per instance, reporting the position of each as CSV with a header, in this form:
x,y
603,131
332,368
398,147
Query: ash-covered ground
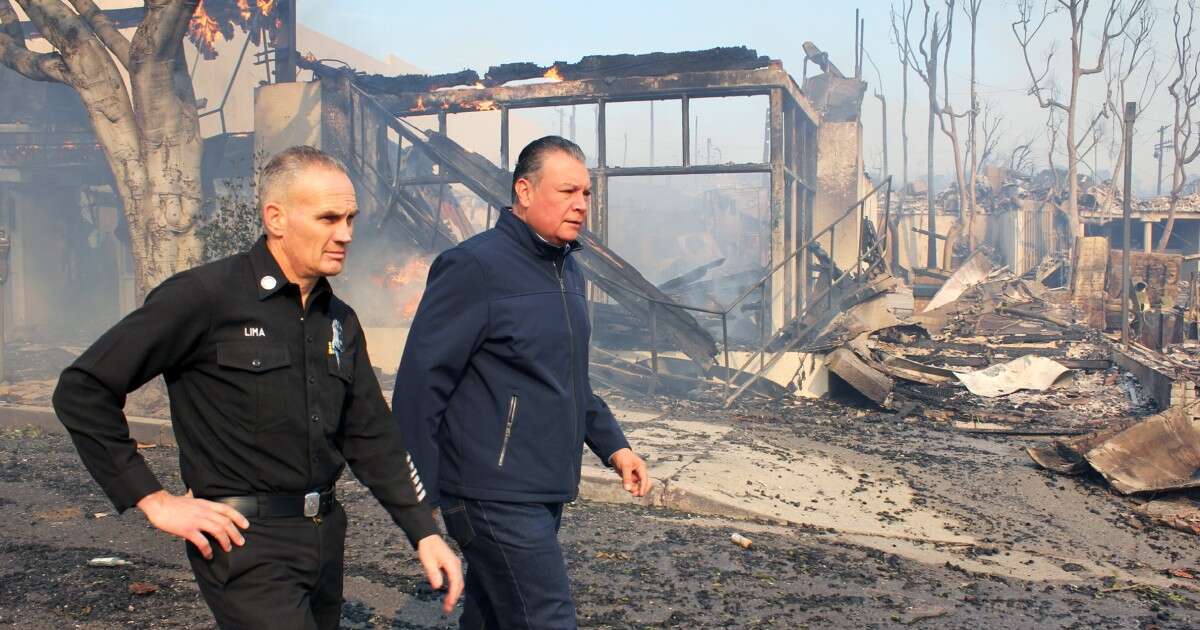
x,y
636,567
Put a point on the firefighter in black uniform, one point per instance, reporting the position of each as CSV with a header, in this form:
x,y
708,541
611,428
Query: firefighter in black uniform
x,y
271,395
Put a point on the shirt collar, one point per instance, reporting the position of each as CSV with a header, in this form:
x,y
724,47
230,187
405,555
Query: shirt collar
x,y
269,277
512,225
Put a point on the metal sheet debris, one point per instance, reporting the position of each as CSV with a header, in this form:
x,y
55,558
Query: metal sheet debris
x,y
1160,453
1028,372
971,273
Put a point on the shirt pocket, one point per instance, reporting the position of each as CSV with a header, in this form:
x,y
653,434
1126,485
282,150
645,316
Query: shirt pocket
x,y
258,374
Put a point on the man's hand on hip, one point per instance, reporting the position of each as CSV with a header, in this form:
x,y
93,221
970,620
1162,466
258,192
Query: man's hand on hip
x,y
190,518
437,558
634,475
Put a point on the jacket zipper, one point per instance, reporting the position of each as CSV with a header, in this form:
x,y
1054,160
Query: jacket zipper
x,y
562,287
512,414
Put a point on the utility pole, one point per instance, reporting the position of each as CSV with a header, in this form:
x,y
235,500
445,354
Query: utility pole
x,y
1127,210
1158,153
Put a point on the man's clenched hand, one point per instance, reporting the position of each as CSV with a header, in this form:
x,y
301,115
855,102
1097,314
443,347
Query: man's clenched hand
x,y
634,475
190,518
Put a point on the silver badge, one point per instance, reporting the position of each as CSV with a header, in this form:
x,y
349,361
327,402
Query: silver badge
x,y
268,283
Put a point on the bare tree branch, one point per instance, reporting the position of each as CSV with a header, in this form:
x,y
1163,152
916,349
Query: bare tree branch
x,y
104,29
991,135
1024,38
37,66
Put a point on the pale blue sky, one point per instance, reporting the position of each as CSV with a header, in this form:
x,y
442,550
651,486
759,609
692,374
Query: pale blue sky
x,y
450,36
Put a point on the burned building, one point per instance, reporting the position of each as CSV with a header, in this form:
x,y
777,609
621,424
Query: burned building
x,y
737,249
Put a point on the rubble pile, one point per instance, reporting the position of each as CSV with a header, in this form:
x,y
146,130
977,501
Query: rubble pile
x,y
989,352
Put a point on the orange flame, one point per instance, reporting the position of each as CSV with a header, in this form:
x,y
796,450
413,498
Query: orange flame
x,y
266,6
244,10
406,283
553,74
479,85
484,106
420,106
203,28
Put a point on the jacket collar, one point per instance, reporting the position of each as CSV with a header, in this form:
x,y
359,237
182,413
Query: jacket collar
x,y
269,277
524,235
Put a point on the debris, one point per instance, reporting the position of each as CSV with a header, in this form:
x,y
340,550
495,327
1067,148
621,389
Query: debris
x,y
1028,372
1181,513
1160,453
108,561
741,540
920,615
1186,574
143,588
1066,456
59,515
971,273
869,381
1090,278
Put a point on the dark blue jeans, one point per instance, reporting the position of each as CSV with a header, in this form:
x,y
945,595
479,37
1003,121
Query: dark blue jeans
x,y
516,575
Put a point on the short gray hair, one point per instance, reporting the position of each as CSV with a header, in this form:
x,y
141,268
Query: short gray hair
x,y
284,166
529,162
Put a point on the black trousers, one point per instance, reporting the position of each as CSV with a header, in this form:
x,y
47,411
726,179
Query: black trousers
x,y
287,575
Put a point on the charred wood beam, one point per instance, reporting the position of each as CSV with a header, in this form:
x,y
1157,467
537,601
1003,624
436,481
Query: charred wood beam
x,y
380,84
587,91
821,58
424,214
627,65
926,233
691,276
425,180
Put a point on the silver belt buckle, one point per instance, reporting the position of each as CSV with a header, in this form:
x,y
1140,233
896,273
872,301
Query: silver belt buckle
x,y
312,504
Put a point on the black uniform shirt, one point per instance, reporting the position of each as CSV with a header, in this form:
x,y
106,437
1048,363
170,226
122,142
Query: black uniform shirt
x,y
266,397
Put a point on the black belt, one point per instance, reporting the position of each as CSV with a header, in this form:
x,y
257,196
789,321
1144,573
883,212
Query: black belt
x,y
281,505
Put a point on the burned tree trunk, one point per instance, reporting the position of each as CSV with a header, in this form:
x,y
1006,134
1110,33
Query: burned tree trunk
x,y
1185,93
150,132
1117,18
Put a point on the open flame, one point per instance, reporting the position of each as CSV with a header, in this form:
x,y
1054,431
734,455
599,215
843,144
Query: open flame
x,y
420,106
484,106
406,283
553,74
203,29
207,26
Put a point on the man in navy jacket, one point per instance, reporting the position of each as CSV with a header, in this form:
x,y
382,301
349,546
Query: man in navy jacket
x,y
493,399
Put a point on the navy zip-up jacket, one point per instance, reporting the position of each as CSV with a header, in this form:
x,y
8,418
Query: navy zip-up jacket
x,y
492,394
